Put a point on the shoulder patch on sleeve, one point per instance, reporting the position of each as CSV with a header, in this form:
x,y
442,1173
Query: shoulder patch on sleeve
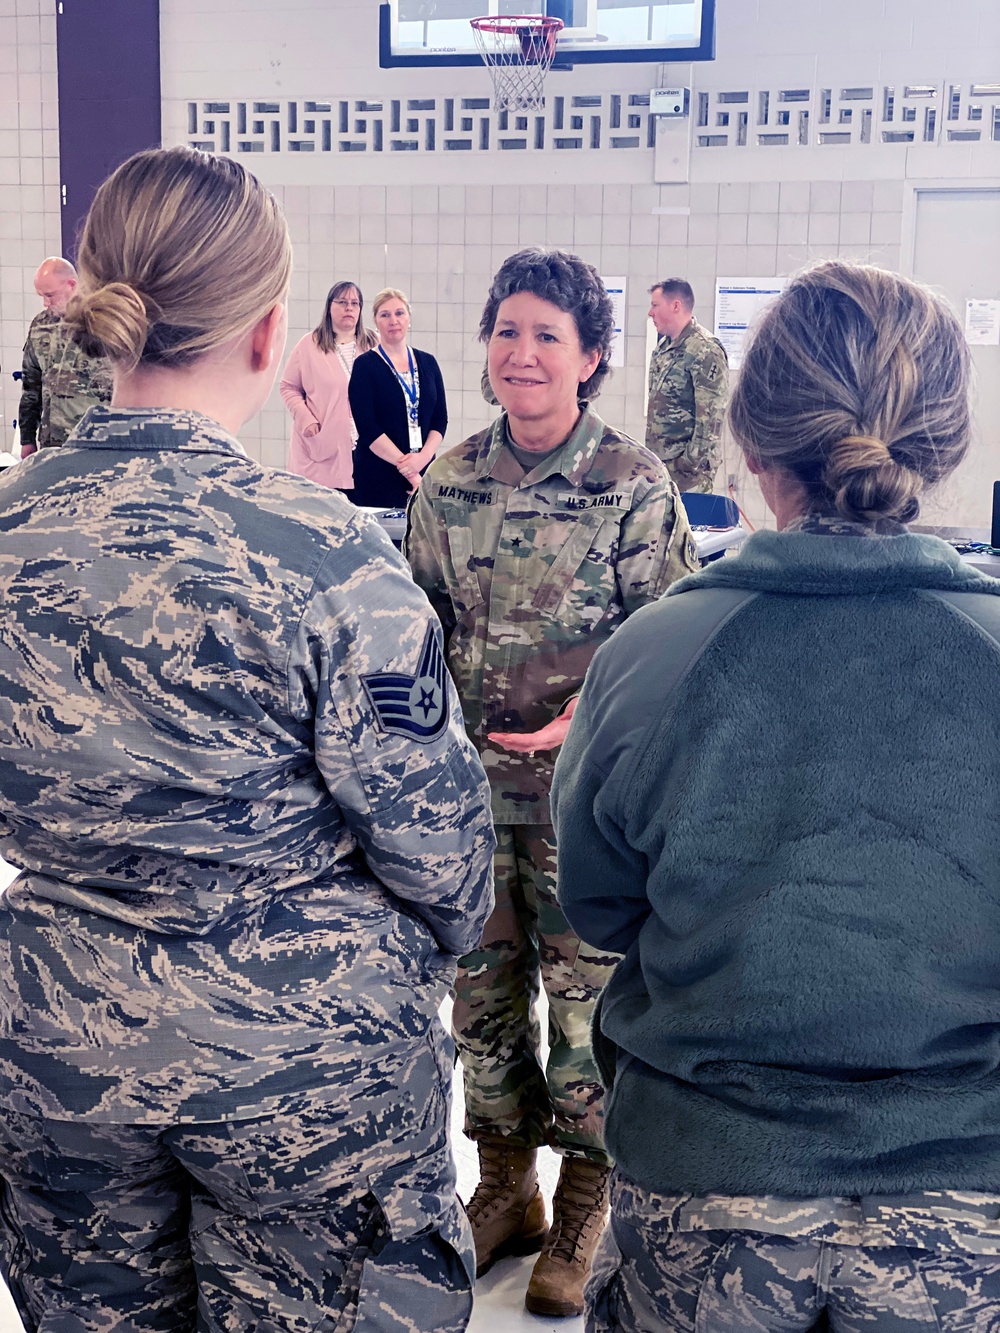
x,y
413,706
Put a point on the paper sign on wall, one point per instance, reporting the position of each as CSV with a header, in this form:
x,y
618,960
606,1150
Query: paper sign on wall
x,y
982,323
738,302
615,288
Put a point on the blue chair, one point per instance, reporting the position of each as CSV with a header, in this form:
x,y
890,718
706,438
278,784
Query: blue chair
x,y
710,511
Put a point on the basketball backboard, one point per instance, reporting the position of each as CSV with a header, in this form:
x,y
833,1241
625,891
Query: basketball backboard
x,y
596,32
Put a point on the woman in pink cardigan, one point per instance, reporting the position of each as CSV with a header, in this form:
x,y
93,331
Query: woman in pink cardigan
x,y
314,387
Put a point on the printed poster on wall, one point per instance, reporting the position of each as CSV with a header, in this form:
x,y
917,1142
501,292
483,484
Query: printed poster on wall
x,y
738,302
615,288
982,323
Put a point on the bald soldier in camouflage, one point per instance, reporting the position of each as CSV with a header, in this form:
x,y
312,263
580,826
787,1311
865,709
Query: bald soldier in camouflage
x,y
688,389
60,382
532,555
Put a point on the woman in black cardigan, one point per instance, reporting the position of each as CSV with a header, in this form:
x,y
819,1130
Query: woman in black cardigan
x,y
398,404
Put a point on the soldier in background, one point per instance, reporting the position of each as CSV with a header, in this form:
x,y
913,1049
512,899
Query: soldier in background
x,y
60,381
688,387
55,283
534,540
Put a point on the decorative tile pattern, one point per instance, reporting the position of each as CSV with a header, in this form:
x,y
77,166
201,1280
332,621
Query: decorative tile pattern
x,y
848,115
414,125
419,125
745,117
971,111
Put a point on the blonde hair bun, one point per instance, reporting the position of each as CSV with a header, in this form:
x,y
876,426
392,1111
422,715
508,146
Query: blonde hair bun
x,y
856,382
181,252
111,321
867,483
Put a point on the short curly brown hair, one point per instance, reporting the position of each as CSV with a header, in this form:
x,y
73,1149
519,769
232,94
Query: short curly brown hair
x,y
570,284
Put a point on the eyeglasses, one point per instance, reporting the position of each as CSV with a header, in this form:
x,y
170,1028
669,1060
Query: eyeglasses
x,y
348,305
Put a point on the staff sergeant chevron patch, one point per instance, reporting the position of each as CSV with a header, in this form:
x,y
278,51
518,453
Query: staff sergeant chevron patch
x,y
415,706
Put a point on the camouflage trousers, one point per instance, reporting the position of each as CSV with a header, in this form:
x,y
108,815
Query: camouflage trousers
x,y
527,942
648,1278
340,1215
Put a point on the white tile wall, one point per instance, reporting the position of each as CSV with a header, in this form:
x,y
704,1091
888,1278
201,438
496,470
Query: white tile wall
x,y
439,228
447,279
29,176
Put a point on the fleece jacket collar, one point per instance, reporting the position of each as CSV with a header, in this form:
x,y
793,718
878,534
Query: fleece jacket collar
x,y
804,562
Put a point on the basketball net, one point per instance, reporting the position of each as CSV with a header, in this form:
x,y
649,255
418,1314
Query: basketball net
x,y
518,50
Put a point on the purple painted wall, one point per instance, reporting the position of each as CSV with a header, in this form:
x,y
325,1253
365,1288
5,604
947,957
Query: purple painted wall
x,y
109,95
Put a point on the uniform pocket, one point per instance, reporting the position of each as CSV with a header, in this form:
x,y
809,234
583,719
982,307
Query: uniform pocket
x,y
419,1274
580,584
463,581
602,1303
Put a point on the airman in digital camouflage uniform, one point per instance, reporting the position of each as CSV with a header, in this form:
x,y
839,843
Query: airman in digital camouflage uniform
x,y
532,556
253,835
721,1262
209,933
688,388
59,380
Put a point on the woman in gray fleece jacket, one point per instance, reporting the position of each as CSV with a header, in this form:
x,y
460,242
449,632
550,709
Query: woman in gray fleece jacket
x,y
779,801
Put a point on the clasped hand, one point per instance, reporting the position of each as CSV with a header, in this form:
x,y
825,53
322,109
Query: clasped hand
x,y
412,465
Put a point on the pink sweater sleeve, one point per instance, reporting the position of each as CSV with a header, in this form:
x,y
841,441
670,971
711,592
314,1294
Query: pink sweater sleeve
x,y
293,393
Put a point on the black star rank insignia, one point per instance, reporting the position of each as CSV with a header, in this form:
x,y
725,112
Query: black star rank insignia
x,y
414,706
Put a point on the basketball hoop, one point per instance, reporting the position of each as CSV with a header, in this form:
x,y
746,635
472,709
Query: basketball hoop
x,y
518,50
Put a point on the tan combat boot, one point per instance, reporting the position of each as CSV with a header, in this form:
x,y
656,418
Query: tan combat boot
x,y
579,1213
507,1210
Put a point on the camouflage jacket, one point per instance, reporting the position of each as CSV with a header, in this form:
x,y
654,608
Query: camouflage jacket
x,y
72,383
252,829
688,388
532,572
35,359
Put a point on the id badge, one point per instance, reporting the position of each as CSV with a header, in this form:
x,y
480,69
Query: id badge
x,y
416,443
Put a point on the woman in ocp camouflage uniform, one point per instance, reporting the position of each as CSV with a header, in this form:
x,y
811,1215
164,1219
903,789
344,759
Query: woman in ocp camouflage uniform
x,y
249,855
534,540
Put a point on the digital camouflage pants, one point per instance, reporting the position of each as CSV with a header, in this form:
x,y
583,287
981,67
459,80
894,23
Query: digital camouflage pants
x,y
341,1215
528,942
650,1279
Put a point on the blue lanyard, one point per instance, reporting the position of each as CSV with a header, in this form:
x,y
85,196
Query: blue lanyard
x,y
412,390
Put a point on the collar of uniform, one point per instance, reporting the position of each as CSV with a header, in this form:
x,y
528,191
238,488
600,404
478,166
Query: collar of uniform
x,y
154,428
572,460
685,332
